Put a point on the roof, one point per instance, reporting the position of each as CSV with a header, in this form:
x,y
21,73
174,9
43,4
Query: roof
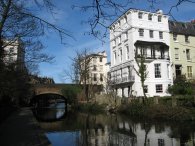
x,y
185,28
135,9
149,43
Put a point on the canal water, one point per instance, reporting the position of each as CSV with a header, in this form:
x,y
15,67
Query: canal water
x,y
80,129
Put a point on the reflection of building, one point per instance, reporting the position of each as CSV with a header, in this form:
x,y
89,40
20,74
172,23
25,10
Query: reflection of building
x,y
14,53
104,130
146,34
182,39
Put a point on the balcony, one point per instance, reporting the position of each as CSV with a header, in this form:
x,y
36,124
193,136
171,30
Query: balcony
x,y
147,56
122,80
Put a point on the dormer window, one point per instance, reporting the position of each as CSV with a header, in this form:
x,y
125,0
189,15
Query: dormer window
x,y
119,39
140,15
159,18
125,19
187,39
150,17
175,37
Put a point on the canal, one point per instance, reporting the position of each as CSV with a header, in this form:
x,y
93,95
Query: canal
x,y
80,129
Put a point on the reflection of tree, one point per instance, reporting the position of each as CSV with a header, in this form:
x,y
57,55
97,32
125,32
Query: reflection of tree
x,y
147,127
183,131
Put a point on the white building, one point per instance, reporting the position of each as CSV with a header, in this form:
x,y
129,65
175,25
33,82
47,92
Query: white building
x,y
97,68
148,34
14,53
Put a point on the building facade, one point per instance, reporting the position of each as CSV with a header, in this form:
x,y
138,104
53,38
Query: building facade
x,y
182,46
97,68
146,34
14,54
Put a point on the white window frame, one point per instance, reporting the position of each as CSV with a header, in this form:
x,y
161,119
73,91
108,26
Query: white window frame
x,y
141,32
189,71
151,33
157,70
127,55
160,35
159,88
140,15
188,55
150,17
176,53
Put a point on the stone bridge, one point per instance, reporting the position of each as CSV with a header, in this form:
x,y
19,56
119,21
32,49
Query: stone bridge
x,y
48,88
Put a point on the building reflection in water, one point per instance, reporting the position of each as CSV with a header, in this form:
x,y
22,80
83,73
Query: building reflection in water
x,y
104,130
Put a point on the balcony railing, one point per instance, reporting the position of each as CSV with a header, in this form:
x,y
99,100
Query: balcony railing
x,y
123,80
155,56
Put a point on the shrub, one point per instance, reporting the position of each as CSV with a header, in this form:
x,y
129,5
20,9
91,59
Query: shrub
x,y
71,92
181,87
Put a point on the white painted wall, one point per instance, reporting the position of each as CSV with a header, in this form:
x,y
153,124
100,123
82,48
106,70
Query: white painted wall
x,y
131,27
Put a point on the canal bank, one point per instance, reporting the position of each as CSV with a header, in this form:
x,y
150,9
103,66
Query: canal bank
x,y
22,129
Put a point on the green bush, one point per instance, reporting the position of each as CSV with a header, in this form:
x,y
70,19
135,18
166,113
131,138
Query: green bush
x,y
181,87
71,92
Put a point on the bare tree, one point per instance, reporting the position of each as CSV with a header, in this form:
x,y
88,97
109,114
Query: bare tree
x,y
141,69
79,72
104,12
20,25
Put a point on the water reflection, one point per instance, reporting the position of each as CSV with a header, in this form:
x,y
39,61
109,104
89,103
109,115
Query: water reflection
x,y
108,130
52,112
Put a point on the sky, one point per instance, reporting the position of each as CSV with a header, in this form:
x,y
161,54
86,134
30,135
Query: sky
x,y
72,21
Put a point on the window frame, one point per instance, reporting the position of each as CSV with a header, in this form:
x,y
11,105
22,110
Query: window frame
x,y
159,88
141,32
140,15
160,35
157,70
176,53
150,17
151,33
188,55
189,71
174,37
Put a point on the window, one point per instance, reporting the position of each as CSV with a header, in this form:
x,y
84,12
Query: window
x,y
151,33
176,53
161,35
149,16
187,39
126,35
159,88
100,59
161,142
11,50
125,19
188,54
127,48
121,72
121,55
119,39
101,77
159,18
114,57
114,43
94,67
189,71
95,77
140,15
141,32
94,60
145,88
157,70
175,37
168,71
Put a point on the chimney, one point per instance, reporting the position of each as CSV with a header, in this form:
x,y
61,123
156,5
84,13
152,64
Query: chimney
x,y
158,11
